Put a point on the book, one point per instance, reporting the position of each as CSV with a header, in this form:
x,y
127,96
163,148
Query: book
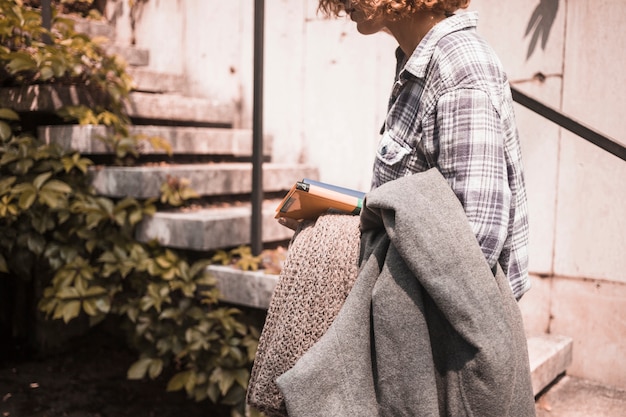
x,y
308,199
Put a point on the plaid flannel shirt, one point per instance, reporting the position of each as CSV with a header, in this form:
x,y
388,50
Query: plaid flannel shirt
x,y
451,108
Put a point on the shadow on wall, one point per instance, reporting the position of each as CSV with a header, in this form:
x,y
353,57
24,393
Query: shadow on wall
x,y
540,24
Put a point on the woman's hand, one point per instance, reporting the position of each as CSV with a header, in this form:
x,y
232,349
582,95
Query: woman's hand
x,y
289,222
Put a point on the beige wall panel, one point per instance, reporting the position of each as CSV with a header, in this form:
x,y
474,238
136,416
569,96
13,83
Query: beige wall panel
x,y
347,80
116,12
216,55
595,92
591,222
160,28
505,25
535,306
284,79
591,238
592,313
540,151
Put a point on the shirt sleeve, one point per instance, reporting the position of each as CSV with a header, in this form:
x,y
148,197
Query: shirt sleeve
x,y
471,158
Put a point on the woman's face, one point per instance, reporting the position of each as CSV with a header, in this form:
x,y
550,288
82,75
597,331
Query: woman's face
x,y
363,25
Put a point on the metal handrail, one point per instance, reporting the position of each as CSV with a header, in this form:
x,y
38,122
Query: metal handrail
x,y
603,141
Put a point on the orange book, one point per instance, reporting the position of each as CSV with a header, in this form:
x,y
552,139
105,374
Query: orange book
x,y
308,199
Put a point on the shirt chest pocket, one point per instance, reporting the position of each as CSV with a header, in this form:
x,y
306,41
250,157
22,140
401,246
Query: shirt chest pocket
x,y
391,151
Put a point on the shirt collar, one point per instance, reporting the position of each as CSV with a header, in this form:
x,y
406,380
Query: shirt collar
x,y
418,62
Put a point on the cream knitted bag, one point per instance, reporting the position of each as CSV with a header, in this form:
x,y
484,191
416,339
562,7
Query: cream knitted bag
x,y
321,266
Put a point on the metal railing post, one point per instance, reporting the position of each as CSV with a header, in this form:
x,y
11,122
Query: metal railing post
x,y
46,19
256,233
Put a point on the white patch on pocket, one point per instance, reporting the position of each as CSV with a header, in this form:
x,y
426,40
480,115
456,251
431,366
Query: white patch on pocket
x,y
391,151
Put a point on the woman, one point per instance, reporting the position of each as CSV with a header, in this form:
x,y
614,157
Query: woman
x,y
426,329
451,109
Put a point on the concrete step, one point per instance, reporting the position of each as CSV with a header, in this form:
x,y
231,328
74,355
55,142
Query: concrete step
x,y
213,228
550,355
99,28
246,288
147,80
133,56
158,107
48,98
182,109
183,140
212,179
93,28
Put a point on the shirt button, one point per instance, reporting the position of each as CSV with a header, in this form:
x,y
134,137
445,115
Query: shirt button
x,y
383,150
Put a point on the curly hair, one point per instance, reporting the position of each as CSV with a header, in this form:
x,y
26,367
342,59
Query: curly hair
x,y
392,9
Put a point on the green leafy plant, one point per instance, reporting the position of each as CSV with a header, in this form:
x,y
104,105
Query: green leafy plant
x,y
81,247
84,247
175,191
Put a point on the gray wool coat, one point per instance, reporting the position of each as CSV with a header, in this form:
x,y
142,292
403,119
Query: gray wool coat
x,y
426,329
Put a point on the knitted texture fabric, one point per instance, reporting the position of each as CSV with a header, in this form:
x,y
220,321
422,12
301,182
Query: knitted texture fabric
x,y
318,273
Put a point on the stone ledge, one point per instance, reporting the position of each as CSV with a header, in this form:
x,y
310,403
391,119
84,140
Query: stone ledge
x,y
147,80
247,288
133,56
161,107
93,28
178,108
183,140
49,98
549,355
206,179
211,228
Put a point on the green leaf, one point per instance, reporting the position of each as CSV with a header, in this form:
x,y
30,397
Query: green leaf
x,y
27,198
41,179
36,243
52,199
5,131
21,61
3,264
57,186
224,379
95,291
45,73
6,183
138,369
179,381
8,114
67,293
89,307
71,310
155,368
213,392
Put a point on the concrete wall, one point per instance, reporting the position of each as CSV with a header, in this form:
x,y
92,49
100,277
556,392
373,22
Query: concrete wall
x,y
326,88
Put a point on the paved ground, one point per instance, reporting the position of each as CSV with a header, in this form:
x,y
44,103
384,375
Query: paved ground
x,y
573,397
